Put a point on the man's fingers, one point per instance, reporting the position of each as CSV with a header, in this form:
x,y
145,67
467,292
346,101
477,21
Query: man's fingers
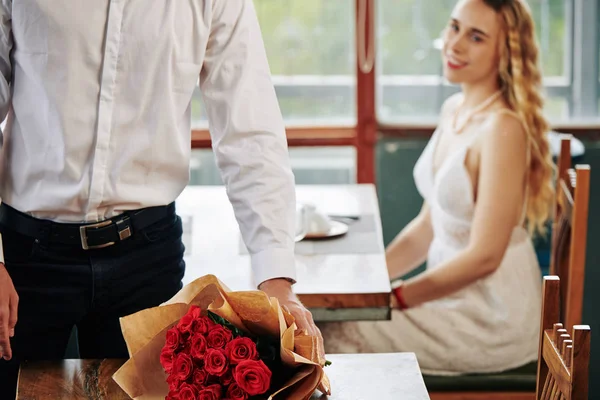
x,y
314,330
304,320
318,335
12,320
310,327
301,321
5,351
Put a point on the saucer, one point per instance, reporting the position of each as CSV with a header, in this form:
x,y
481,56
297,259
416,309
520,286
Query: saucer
x,y
337,229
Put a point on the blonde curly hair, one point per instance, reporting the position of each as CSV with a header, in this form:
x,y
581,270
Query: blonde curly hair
x,y
521,83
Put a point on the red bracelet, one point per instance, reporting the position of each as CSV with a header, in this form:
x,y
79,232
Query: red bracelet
x,y
399,297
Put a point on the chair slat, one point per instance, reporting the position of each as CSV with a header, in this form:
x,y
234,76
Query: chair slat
x,y
569,233
574,297
556,365
550,315
580,361
564,358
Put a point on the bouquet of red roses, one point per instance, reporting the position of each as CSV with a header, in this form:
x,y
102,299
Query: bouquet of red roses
x,y
209,343
207,358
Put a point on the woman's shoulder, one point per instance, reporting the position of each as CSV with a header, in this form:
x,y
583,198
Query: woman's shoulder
x,y
505,124
503,133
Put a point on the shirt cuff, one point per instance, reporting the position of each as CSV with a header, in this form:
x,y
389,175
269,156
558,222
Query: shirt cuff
x,y
273,263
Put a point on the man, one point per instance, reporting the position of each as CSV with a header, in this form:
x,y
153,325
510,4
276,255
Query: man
x,y
97,147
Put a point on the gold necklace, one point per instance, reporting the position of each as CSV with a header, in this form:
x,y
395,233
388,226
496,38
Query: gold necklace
x,y
486,103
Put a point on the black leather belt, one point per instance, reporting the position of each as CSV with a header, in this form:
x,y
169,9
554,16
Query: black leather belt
x,y
88,236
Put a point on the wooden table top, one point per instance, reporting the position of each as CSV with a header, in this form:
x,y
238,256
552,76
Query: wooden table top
x,y
334,286
389,376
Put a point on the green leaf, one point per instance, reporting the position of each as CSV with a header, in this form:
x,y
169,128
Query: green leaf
x,y
328,363
217,319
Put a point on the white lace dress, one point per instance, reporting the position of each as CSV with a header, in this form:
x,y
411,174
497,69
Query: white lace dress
x,y
490,326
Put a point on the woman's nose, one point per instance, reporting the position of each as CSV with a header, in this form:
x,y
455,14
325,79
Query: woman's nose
x,y
456,44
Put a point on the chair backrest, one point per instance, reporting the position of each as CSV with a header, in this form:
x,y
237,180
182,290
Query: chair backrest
x,y
563,362
569,233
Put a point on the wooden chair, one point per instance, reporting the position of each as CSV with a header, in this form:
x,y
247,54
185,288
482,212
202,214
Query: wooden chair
x,y
563,359
569,235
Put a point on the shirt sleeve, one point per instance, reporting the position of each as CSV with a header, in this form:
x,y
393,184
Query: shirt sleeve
x,y
248,138
6,44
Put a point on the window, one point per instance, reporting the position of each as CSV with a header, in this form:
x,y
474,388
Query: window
x,y
310,165
310,47
326,101
410,87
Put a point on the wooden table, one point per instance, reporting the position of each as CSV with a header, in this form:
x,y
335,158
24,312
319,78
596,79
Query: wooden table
x,y
353,377
333,286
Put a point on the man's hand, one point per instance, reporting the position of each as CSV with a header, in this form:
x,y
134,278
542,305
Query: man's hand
x,y
8,312
282,290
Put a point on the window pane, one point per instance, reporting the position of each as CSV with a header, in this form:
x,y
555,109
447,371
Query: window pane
x,y
310,165
556,108
310,47
552,35
410,86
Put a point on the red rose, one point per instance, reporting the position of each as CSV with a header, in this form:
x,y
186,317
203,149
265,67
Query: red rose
x,y
182,367
186,323
202,325
212,392
187,392
215,362
218,337
186,344
166,359
173,382
212,380
226,378
235,392
240,349
173,395
199,377
198,347
173,338
254,377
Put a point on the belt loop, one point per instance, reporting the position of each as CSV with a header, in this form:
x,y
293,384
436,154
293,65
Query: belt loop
x,y
124,228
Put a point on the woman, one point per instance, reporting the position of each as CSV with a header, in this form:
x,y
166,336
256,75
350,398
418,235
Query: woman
x,y
485,175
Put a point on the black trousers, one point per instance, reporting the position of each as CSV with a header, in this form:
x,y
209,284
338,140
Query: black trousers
x,y
62,286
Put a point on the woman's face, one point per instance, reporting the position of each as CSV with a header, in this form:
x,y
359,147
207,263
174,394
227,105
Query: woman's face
x,y
471,42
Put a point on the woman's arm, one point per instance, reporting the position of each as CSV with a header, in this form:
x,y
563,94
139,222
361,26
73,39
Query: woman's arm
x,y
499,205
409,248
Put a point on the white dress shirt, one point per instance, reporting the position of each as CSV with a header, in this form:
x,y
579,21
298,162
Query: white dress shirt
x,y
98,96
